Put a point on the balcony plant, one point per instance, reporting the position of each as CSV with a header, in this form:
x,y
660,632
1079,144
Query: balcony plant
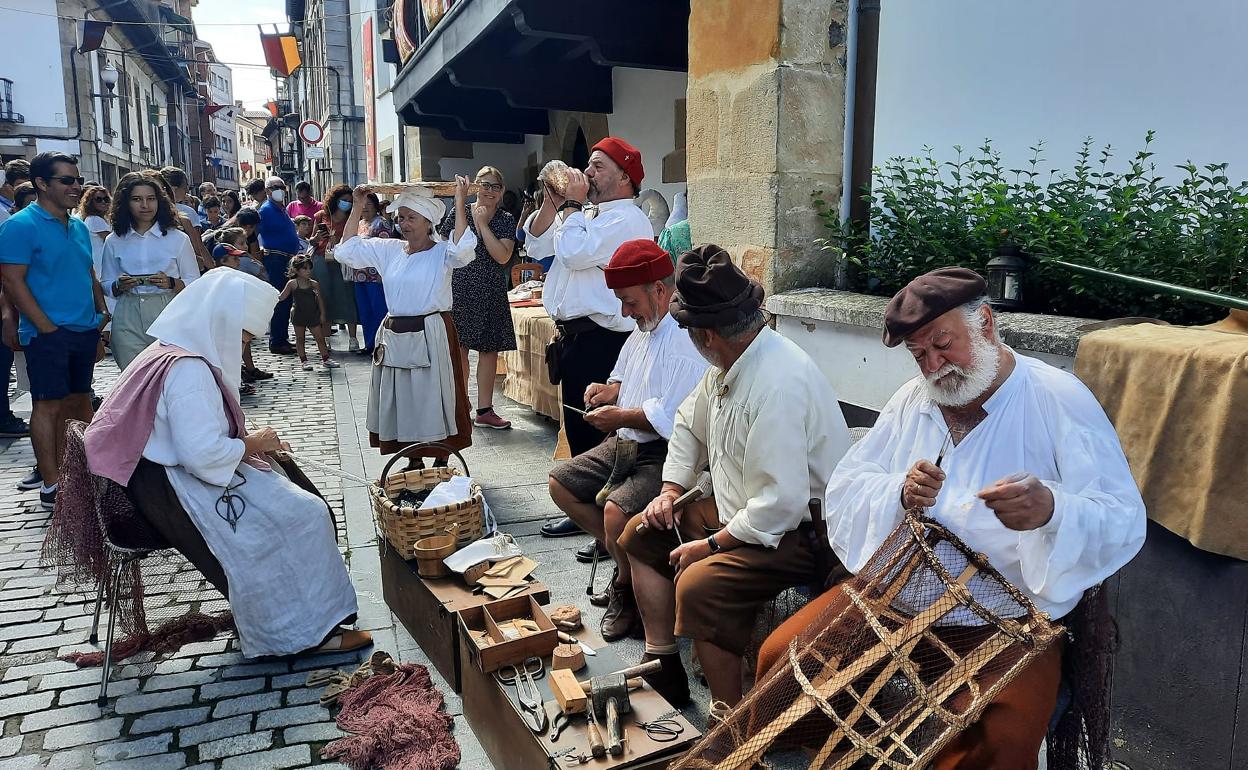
x,y
925,213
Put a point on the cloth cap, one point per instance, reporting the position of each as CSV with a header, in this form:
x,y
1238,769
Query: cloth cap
x,y
928,297
712,291
625,156
637,262
421,201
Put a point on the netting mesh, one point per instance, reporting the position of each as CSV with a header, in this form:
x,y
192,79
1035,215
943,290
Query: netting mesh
x,y
906,655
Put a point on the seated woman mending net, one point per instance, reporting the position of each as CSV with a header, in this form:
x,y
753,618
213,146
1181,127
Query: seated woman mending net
x,y
173,433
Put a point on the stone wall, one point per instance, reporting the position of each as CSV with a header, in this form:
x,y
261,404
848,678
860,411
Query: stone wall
x,y
765,126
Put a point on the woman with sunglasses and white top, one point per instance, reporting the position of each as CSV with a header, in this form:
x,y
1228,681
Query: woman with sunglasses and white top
x,y
146,261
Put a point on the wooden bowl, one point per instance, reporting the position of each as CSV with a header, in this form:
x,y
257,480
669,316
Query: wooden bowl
x,y
430,551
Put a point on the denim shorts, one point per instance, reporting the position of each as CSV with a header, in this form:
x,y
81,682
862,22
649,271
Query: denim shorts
x,y
61,363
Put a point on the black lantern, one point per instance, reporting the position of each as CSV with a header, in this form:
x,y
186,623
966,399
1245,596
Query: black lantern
x,y
1005,278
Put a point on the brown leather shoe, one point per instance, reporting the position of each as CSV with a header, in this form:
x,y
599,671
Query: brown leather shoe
x,y
671,681
603,599
621,618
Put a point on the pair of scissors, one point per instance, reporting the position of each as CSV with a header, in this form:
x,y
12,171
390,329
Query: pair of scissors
x,y
522,677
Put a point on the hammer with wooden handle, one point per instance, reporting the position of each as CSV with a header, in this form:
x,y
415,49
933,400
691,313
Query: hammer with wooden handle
x,y
701,488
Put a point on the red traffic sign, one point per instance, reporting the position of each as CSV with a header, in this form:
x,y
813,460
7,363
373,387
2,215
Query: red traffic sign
x,y
311,132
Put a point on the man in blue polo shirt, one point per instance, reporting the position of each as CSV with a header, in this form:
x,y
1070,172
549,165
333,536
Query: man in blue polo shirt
x,y
45,263
280,243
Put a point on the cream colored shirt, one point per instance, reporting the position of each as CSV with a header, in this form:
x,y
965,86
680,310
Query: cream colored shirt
x,y
575,286
770,429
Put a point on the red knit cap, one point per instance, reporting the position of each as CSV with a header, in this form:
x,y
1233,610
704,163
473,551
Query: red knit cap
x,y
625,156
637,262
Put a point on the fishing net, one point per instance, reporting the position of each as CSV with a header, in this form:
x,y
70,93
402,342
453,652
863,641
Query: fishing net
x,y
908,653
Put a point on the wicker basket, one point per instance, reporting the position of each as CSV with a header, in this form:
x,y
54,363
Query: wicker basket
x,y
403,525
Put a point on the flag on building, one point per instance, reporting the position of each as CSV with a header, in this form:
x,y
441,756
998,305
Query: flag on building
x,y
281,51
225,111
91,34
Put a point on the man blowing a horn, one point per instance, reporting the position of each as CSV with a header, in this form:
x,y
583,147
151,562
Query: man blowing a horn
x,y
1030,473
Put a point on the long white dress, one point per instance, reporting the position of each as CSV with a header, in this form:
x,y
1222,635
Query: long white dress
x,y
288,585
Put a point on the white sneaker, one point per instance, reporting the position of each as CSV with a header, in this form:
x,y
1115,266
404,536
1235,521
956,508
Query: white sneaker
x,y
307,366
353,345
329,363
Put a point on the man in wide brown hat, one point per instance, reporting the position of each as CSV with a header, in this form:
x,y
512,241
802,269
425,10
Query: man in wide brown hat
x,y
766,421
1032,476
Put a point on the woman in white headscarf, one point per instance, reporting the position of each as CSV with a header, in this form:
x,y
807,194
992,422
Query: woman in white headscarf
x,y
419,389
173,424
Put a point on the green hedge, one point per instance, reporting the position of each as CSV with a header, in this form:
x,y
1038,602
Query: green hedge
x,y
927,214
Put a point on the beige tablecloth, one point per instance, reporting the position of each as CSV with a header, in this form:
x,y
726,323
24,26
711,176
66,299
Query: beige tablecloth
x,y
525,379
1178,397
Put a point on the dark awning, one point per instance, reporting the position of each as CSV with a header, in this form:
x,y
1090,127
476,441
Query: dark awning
x,y
492,69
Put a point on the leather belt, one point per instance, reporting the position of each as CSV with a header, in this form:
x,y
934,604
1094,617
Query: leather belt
x,y
405,324
575,326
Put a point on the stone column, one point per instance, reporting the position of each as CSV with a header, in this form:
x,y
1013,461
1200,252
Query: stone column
x,y
765,125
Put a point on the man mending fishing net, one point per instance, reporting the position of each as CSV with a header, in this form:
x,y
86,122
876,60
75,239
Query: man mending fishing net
x,y
1030,474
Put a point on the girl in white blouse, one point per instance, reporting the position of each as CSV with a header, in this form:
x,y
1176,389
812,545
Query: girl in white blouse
x,y
146,261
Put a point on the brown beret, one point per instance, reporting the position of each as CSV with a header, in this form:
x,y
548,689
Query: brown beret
x,y
928,297
711,291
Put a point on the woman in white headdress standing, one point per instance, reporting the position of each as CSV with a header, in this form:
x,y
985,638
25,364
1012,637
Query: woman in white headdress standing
x,y
419,389
173,433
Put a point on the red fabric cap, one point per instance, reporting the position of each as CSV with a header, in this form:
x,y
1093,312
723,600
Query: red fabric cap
x,y
625,156
637,262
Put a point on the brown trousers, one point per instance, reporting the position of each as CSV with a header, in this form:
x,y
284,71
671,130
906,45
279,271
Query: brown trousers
x,y
1007,734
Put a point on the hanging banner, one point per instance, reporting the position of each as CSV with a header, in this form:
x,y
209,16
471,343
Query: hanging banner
x,y
281,52
370,102
91,34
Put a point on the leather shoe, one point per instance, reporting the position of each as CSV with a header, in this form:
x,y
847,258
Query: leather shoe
x,y
622,618
604,598
671,681
282,350
585,554
564,527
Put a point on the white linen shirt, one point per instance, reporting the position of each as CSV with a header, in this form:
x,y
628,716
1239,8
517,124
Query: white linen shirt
x,y
575,285
415,284
771,430
656,371
1041,420
146,253
539,247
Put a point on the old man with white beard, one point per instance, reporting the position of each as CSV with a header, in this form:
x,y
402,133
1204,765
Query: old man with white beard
x,y
1032,475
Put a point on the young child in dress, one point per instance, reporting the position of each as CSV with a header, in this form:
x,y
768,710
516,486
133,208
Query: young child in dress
x,y
307,311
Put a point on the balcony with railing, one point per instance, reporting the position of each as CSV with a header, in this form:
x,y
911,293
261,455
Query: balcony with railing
x,y
7,114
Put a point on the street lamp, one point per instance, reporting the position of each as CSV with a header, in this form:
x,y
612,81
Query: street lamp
x,y
1005,278
108,76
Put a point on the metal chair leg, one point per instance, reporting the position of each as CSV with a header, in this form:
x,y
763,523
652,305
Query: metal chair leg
x,y
99,604
112,624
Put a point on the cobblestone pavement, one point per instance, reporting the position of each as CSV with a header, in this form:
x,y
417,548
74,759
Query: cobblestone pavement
x,y
207,707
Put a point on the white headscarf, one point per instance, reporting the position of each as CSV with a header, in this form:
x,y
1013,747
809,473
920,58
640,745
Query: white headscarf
x,y
421,201
208,318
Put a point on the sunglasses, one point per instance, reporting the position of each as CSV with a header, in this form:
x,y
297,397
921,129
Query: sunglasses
x,y
494,186
100,199
68,181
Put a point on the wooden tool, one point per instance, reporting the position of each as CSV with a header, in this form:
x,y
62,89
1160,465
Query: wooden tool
x,y
568,693
596,746
701,488
440,189
609,698
651,667
568,657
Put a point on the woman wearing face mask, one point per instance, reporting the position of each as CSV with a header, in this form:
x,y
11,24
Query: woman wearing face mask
x,y
482,315
146,261
339,293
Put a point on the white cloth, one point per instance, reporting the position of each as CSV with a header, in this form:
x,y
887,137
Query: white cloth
x,y
575,284
412,394
656,371
680,209
415,284
1041,421
147,253
208,318
771,430
421,201
538,247
100,230
190,213
288,585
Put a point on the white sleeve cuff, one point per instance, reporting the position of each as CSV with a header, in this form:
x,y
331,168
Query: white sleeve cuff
x,y
658,417
741,529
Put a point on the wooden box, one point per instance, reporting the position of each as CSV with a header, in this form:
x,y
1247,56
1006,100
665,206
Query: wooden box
x,y
491,709
503,651
427,608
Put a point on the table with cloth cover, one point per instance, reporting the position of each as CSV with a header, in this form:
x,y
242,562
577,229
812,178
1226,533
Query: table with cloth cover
x,y
525,379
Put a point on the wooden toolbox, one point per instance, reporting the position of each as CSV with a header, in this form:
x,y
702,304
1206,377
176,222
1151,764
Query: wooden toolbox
x,y
485,618
495,716
427,608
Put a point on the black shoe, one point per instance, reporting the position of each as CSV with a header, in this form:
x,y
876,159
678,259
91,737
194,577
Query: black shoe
x,y
603,599
564,527
14,427
671,681
364,352
247,376
47,499
585,554
33,480
259,374
282,349
622,618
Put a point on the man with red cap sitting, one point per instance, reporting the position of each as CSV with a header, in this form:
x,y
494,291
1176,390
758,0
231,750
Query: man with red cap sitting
x,y
767,423
657,368
591,327
1031,475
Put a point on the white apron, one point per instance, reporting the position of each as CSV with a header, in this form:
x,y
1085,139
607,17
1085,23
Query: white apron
x,y
412,394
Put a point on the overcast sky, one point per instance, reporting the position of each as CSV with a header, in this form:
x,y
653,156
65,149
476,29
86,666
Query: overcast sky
x,y
232,44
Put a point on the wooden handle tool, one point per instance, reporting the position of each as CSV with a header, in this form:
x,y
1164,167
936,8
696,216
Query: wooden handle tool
x,y
631,673
596,746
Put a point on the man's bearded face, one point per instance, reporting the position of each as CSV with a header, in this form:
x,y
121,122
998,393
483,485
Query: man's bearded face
x,y
965,358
